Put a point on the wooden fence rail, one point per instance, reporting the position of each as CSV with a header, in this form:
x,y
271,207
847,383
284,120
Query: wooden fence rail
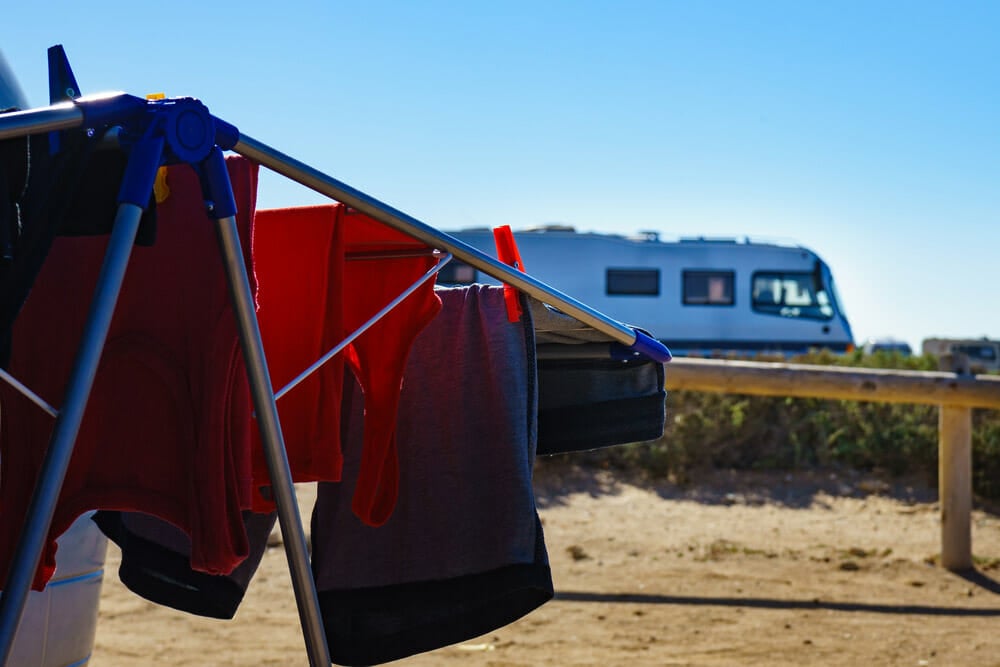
x,y
955,395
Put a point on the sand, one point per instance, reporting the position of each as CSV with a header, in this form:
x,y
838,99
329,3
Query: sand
x,y
732,569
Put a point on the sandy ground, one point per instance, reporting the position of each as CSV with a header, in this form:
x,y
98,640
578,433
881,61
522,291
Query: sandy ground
x,y
734,569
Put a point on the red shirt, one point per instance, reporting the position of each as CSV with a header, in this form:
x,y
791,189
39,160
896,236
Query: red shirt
x,y
167,427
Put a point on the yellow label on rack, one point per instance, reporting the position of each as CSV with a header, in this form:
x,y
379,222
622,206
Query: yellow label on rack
x,y
160,188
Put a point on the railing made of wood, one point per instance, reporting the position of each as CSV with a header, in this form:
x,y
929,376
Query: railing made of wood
x,y
955,394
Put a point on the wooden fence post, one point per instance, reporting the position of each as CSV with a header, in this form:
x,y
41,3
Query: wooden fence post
x,y
955,485
955,392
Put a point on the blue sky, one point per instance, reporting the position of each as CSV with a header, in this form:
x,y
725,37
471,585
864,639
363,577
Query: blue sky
x,y
867,131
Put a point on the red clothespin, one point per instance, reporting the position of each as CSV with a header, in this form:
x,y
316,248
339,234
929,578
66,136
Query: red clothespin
x,y
508,254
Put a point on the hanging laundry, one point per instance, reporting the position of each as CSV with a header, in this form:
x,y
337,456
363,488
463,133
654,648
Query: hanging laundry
x,y
299,270
304,314
298,260
156,563
589,397
591,403
46,193
167,427
378,357
297,263
463,552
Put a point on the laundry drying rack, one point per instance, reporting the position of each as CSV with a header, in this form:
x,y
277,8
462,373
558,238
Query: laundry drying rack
x,y
157,132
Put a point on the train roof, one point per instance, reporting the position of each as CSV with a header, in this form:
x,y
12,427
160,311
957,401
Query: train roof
x,y
645,236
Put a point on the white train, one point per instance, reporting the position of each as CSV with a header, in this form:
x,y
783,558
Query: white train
x,y
698,295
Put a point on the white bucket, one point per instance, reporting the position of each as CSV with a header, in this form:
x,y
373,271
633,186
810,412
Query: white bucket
x,y
59,623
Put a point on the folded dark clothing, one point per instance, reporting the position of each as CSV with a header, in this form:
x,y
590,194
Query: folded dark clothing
x,y
156,563
591,392
592,403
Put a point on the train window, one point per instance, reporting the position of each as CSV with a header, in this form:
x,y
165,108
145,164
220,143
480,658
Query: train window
x,y
457,273
633,282
790,295
708,288
975,352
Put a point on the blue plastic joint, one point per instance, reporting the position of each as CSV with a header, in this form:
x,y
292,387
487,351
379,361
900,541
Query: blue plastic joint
x,y
107,110
226,135
183,122
164,131
189,130
140,171
645,346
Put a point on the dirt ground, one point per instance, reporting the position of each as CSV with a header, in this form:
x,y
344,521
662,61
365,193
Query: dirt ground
x,y
732,569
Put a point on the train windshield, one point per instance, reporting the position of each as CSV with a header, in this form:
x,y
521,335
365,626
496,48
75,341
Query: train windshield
x,y
792,294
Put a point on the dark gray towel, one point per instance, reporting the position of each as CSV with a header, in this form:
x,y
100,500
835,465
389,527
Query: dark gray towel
x,y
463,552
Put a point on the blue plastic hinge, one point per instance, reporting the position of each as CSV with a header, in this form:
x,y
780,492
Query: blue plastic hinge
x,y
140,171
645,346
226,134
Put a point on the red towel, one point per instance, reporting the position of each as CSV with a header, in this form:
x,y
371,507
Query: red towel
x,y
298,259
302,317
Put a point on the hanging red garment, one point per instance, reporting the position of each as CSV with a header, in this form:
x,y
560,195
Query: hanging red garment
x,y
167,427
368,265
378,357
298,260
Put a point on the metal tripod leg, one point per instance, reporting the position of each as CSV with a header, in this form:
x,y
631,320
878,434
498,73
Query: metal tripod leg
x,y
283,489
190,130
67,426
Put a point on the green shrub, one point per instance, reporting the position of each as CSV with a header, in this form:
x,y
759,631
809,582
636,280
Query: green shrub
x,y
986,453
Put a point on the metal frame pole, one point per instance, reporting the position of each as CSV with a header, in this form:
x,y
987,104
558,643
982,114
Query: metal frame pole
x,y
289,518
67,426
34,121
339,347
102,112
191,135
331,187
61,116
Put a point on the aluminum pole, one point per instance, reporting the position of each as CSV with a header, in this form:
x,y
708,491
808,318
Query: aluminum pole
x,y
331,187
282,486
60,450
61,116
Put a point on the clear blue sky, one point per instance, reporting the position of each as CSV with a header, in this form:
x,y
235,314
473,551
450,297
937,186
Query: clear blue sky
x,y
867,131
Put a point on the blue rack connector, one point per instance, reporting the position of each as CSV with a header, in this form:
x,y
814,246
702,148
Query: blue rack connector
x,y
645,346
163,131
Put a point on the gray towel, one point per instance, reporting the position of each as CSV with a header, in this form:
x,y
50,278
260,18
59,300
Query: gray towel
x,y
463,552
